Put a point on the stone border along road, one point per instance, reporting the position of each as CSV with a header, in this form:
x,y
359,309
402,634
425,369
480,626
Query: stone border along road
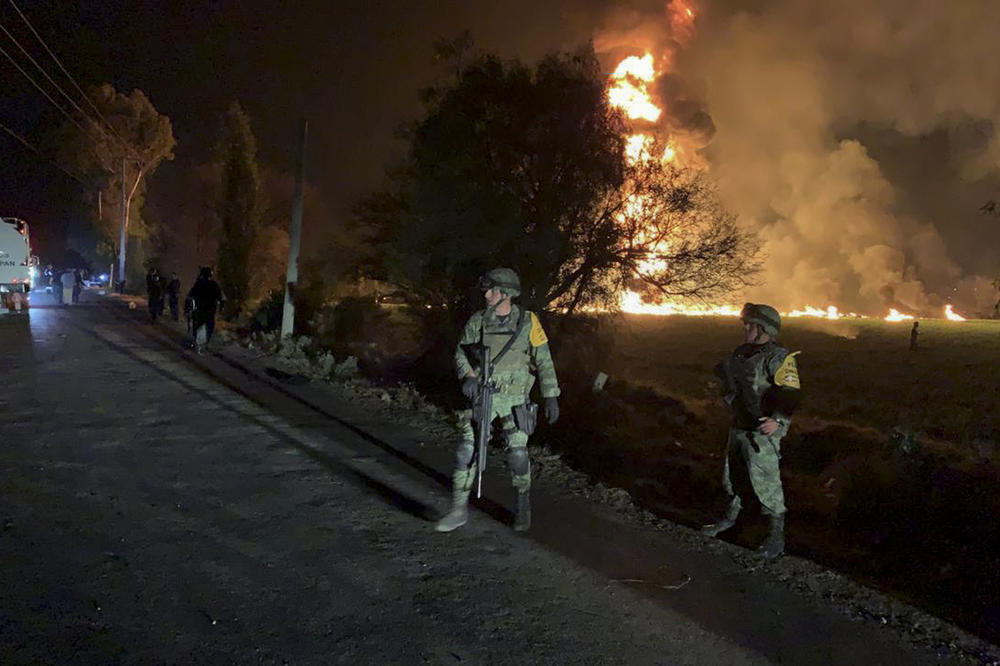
x,y
716,584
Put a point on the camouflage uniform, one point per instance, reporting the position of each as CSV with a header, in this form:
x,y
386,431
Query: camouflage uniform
x,y
513,376
761,381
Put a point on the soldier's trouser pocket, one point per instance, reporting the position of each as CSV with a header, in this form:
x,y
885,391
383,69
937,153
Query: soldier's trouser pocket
x,y
526,417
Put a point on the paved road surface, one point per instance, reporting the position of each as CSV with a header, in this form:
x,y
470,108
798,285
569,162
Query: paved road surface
x,y
151,514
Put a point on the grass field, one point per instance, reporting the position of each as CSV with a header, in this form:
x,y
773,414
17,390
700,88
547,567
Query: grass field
x,y
890,468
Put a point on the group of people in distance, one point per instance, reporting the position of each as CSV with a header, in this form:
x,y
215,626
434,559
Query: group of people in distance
x,y
204,300
66,286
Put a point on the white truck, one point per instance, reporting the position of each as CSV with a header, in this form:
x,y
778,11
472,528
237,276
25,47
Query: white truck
x,y
17,266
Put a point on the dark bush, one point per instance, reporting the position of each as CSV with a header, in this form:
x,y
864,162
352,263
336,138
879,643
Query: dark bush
x,y
356,323
267,316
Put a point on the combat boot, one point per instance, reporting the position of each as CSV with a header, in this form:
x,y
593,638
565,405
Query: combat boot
x,y
459,513
774,542
727,521
458,516
522,521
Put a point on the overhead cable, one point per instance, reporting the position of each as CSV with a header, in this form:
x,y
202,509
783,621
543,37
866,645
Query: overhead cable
x,y
30,147
50,80
70,77
42,90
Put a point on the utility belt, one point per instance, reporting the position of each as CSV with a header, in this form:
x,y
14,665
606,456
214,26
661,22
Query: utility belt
x,y
525,416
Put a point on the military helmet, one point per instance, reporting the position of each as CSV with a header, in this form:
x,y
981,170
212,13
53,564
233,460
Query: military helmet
x,y
504,279
763,315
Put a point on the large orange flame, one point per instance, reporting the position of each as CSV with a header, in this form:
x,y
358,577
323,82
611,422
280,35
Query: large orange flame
x,y
628,90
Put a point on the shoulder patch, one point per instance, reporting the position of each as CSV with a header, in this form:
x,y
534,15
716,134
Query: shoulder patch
x,y
788,373
537,335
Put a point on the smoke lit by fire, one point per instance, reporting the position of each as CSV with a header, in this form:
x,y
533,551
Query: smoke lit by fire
x,y
780,121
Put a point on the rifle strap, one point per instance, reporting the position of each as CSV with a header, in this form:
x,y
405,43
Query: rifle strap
x,y
513,337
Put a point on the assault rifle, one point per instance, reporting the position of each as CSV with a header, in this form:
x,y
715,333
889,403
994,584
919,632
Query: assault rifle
x,y
482,412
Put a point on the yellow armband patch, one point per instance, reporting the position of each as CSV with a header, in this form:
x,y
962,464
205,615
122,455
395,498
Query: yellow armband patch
x,y
537,335
788,373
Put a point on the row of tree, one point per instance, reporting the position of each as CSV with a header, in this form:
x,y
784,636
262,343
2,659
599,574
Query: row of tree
x,y
510,164
220,213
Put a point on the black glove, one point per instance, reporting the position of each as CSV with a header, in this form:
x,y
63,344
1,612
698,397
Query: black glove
x,y
470,387
551,410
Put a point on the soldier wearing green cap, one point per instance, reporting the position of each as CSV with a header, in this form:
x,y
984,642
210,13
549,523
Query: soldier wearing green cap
x,y
762,385
519,350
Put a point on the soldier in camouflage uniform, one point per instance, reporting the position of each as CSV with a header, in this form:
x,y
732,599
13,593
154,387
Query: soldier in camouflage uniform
x,y
762,384
513,376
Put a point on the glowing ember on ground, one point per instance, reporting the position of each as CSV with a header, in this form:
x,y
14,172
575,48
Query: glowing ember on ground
x,y
951,315
633,304
896,315
831,312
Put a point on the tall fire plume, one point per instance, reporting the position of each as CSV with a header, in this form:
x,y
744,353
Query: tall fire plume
x,y
756,98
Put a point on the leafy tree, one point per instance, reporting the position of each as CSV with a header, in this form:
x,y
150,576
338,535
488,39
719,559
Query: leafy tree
x,y
526,167
239,205
184,202
129,141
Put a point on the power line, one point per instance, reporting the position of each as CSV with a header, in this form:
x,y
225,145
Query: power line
x,y
42,90
30,147
71,79
50,80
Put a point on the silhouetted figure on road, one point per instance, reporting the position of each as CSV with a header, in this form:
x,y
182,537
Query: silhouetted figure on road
x,y
206,298
173,295
67,280
154,293
77,285
914,332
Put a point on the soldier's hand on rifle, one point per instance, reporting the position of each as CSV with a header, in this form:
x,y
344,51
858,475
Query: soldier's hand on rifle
x,y
470,387
551,410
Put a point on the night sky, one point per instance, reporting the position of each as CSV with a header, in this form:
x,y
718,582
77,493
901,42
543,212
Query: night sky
x,y
859,138
352,68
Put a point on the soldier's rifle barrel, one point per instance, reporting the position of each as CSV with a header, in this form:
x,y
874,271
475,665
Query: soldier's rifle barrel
x,y
485,420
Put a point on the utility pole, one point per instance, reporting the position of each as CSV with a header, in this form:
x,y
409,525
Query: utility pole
x,y
123,236
292,277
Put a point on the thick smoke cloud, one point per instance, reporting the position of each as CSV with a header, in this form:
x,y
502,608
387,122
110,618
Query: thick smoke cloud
x,y
857,137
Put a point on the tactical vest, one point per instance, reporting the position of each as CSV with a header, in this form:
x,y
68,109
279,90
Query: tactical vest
x,y
512,373
749,377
